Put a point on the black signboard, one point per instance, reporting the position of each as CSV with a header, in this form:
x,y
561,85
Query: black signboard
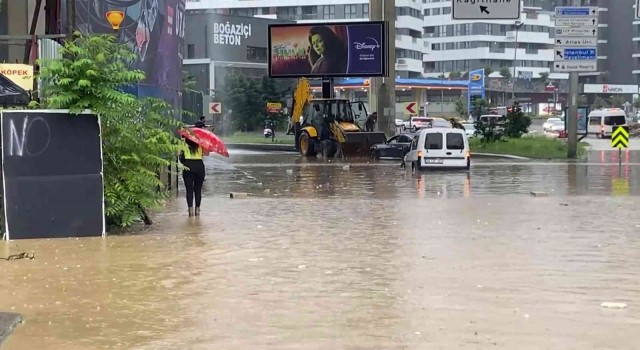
x,y
52,169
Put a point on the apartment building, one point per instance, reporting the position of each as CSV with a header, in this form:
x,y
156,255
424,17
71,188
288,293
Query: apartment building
x,y
455,45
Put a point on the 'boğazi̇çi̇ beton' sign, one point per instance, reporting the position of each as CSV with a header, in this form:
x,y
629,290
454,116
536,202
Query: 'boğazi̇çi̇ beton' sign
x,y
356,49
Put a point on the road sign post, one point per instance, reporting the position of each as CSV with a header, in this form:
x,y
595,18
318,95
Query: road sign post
x,y
411,108
507,9
576,50
215,107
620,140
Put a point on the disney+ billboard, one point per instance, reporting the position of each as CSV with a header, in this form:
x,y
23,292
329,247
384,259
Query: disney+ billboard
x,y
356,49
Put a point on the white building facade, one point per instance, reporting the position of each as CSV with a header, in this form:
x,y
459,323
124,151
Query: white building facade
x,y
408,21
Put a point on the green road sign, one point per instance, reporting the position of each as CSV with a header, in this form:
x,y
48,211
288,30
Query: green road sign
x,y
620,137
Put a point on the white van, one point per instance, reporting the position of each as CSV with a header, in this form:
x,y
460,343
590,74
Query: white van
x,y
439,148
602,121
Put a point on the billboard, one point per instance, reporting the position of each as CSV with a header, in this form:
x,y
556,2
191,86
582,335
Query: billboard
x,y
476,87
355,49
610,89
19,74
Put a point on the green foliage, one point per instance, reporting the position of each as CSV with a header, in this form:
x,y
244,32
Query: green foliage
x,y
544,76
461,108
532,147
188,81
599,103
137,135
505,72
636,103
582,100
455,75
517,123
487,71
247,99
617,101
480,106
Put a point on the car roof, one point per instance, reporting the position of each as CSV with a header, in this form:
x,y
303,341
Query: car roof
x,y
440,129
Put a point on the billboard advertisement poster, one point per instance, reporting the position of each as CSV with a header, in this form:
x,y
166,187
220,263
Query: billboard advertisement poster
x,y
356,49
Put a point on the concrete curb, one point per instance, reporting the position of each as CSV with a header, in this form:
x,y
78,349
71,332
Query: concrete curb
x,y
290,148
8,322
497,156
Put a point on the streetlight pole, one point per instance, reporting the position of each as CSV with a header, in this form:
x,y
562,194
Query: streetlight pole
x,y
517,25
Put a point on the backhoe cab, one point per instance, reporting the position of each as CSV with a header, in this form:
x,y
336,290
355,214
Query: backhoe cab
x,y
330,127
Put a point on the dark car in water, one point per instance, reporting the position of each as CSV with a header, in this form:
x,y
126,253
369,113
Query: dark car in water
x,y
395,147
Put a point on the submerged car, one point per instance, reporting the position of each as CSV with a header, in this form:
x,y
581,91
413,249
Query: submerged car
x,y
396,147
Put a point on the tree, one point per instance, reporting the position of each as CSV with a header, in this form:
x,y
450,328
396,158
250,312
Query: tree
x,y
480,106
505,72
544,77
137,134
636,103
487,71
599,103
465,75
441,76
582,100
617,101
248,97
455,75
603,77
461,108
517,123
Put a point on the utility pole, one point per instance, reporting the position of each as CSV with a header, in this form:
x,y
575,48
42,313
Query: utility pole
x,y
382,91
572,121
71,18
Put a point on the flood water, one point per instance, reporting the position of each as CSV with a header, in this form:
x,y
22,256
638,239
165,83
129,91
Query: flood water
x,y
332,255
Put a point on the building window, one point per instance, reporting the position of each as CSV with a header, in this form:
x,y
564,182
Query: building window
x,y
256,53
446,10
328,12
309,12
191,51
365,10
350,11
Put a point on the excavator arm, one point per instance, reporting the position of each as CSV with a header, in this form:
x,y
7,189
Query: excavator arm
x,y
301,97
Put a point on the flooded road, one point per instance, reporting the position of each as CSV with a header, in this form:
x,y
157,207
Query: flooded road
x,y
352,256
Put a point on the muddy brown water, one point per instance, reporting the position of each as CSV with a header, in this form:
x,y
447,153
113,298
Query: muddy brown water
x,y
360,257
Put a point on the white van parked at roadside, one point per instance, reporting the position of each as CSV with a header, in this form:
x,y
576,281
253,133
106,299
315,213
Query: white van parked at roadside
x,y
601,122
439,148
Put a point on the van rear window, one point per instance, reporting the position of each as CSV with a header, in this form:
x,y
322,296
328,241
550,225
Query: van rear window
x,y
433,141
615,120
455,141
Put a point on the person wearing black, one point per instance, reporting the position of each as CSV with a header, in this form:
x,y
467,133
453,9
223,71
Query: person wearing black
x,y
200,123
369,125
193,176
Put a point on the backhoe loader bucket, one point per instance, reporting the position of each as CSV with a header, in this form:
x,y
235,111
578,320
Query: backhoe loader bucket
x,y
358,144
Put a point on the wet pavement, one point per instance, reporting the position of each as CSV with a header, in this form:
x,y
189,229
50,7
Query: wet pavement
x,y
352,256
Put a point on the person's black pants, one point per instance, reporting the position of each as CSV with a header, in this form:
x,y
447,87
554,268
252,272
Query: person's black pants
x,y
193,180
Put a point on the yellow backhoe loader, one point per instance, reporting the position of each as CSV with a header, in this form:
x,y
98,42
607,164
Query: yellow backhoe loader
x,y
329,126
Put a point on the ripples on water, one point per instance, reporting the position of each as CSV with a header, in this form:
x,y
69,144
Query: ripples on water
x,y
361,257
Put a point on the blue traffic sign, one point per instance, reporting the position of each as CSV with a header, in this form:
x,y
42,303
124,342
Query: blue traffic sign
x,y
576,11
572,54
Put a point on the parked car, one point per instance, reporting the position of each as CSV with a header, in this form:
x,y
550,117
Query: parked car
x,y
549,123
416,123
557,127
469,129
439,148
395,147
